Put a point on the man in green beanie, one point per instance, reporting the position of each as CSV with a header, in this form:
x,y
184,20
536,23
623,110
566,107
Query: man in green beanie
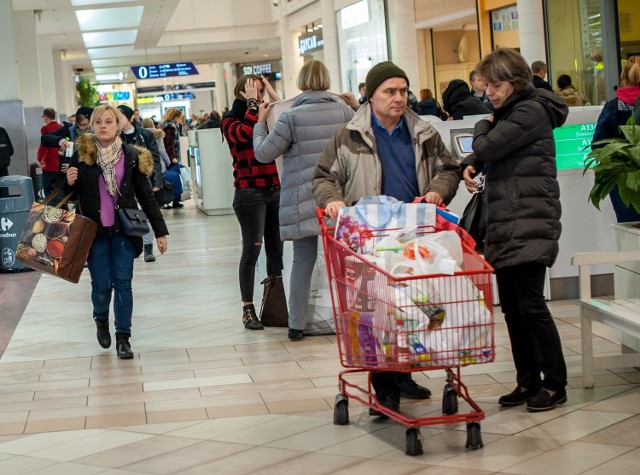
x,y
386,149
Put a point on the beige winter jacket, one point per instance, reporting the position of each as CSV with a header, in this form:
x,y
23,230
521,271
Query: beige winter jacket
x,y
349,167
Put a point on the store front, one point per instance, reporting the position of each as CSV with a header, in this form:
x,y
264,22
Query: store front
x,y
591,43
362,41
311,42
272,70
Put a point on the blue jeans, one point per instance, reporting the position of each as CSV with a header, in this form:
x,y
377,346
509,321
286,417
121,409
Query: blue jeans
x,y
257,212
624,213
111,267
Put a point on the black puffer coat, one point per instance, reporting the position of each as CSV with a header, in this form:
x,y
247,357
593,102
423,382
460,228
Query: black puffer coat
x,y
458,101
518,154
136,187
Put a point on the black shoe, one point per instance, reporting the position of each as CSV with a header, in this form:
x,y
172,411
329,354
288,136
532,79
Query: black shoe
x,y
123,347
516,397
177,204
409,389
295,335
544,401
250,319
148,253
102,333
389,402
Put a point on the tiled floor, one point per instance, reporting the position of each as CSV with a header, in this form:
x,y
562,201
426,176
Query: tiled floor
x,y
203,395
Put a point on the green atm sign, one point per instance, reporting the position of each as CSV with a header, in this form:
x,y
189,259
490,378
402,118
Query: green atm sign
x,y
573,144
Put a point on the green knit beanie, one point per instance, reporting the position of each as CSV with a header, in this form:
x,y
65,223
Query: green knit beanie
x,y
380,73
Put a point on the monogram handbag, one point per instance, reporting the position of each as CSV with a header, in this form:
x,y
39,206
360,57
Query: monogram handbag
x,y
133,221
273,312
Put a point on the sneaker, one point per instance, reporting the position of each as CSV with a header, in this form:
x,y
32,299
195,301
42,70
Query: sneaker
x,y
544,401
389,402
295,335
250,319
409,389
516,397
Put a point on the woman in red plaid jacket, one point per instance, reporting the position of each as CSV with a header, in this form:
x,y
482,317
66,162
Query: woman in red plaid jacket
x,y
257,191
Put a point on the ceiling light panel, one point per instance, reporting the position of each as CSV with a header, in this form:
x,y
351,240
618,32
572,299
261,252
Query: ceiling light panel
x,y
115,38
117,52
86,3
109,18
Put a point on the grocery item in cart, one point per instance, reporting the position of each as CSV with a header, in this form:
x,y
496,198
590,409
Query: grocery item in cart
x,y
356,224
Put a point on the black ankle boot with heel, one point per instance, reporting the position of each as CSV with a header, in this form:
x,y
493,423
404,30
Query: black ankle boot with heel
x,y
123,347
250,319
102,333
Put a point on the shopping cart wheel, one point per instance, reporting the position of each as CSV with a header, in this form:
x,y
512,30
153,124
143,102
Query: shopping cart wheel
x,y
449,400
413,445
341,410
474,439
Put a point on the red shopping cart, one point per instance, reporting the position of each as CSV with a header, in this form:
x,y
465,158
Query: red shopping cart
x,y
386,322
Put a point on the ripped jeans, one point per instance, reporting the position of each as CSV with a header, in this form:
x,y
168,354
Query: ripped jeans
x,y
257,212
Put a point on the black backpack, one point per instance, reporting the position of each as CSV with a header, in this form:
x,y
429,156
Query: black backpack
x,y
6,149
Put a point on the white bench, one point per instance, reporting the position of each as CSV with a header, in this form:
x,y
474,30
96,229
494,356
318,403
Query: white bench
x,y
621,314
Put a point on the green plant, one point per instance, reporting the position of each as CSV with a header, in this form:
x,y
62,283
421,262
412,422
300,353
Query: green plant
x,y
616,162
87,94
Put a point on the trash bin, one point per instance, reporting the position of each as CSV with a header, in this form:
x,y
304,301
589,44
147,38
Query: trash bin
x,y
36,175
16,198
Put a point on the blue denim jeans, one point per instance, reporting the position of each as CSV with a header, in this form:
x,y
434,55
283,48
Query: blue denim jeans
x,y
111,267
257,212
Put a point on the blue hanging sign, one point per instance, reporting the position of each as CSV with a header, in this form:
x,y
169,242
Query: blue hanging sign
x,y
155,71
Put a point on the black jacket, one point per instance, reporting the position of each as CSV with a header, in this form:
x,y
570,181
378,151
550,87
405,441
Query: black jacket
x,y
135,189
144,138
541,83
458,101
518,154
6,148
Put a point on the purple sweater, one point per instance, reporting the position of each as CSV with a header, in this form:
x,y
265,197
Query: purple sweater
x,y
108,202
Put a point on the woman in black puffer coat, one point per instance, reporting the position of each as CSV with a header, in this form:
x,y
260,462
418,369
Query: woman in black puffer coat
x,y
515,149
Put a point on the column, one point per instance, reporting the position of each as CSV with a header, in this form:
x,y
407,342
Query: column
x,y
532,38
8,58
229,73
29,78
11,113
331,50
291,59
47,72
64,78
221,99
402,39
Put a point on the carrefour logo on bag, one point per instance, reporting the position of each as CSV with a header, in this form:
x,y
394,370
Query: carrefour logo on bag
x,y
5,224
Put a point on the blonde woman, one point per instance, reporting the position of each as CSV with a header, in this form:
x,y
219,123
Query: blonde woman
x,y
300,135
105,172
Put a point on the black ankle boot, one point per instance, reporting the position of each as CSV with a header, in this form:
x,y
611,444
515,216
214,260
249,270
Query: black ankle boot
x,y
148,253
250,319
123,347
102,333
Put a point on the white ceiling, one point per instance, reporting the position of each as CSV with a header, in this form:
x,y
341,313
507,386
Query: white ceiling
x,y
135,32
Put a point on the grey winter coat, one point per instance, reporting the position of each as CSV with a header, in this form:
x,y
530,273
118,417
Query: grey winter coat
x,y
300,135
518,154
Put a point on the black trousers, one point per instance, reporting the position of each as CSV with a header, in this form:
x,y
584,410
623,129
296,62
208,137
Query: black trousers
x,y
257,212
535,342
385,383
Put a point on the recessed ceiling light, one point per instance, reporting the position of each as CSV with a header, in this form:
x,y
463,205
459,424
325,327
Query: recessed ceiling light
x,y
109,18
113,38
